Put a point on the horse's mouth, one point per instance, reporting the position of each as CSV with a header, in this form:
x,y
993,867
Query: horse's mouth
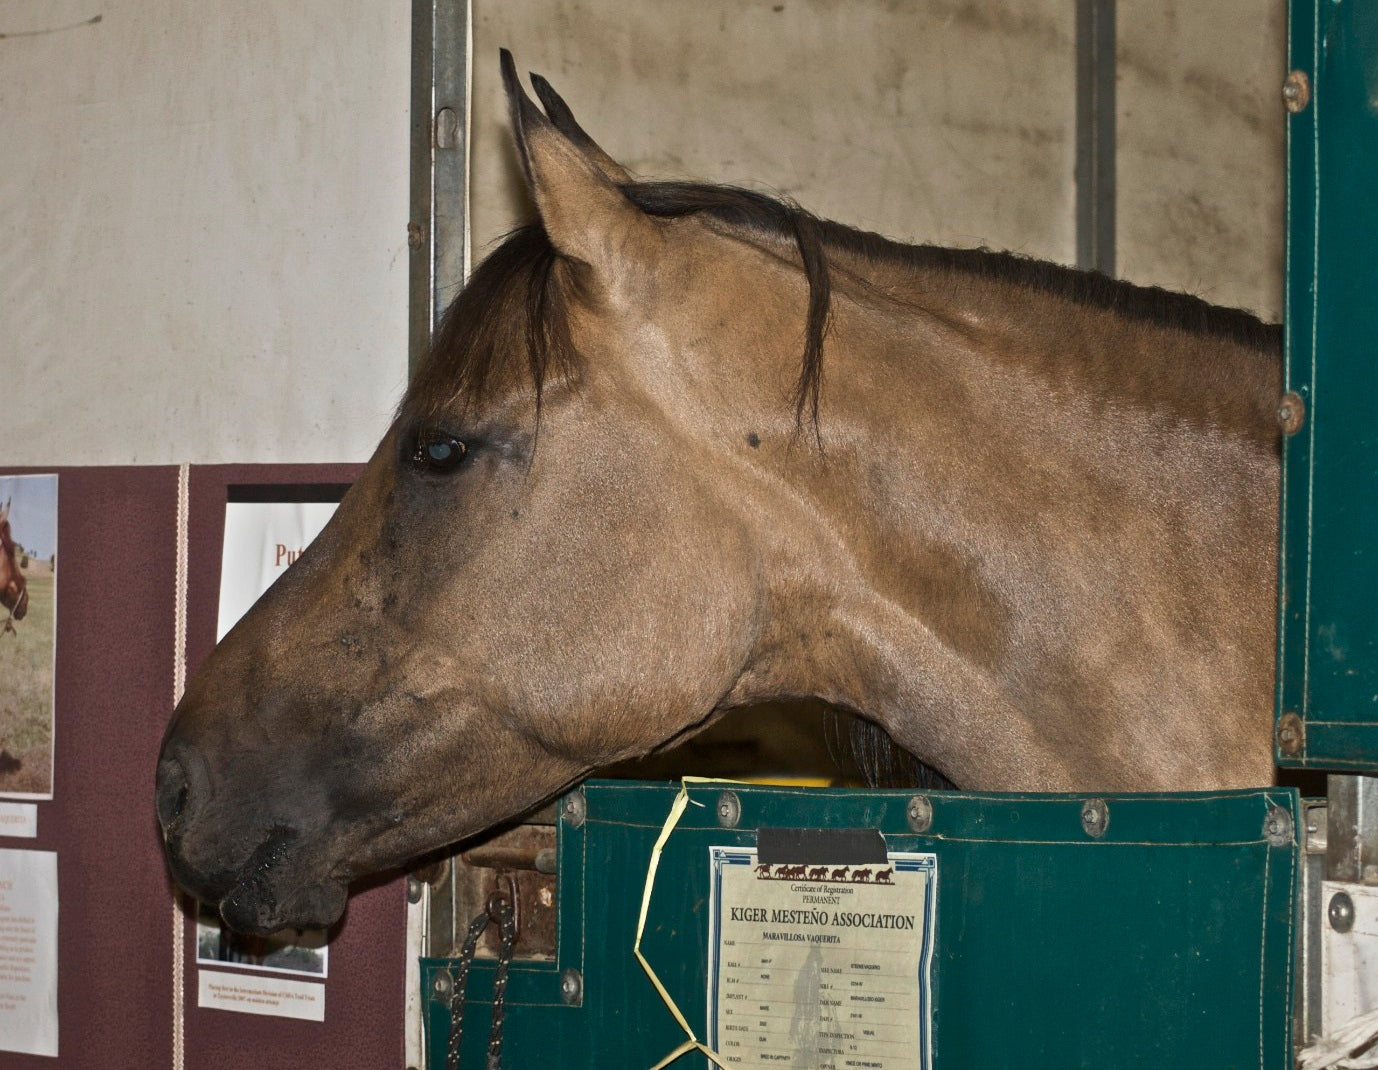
x,y
256,907
277,888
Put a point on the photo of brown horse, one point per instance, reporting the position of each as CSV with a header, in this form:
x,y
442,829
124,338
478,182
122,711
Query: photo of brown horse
x,y
28,594
14,588
682,448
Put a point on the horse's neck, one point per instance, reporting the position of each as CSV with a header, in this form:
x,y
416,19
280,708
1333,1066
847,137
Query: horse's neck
x,y
1016,553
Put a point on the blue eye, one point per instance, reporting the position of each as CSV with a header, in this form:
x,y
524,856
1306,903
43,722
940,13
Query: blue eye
x,y
438,451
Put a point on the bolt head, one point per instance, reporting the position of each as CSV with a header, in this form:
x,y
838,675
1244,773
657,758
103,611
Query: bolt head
x,y
1291,734
1277,827
572,987
729,809
919,814
1296,91
1095,818
1291,412
1341,912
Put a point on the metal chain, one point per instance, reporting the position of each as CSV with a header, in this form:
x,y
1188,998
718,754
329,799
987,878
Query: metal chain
x,y
500,909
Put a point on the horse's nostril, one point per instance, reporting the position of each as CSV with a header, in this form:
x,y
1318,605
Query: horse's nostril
x,y
175,789
172,792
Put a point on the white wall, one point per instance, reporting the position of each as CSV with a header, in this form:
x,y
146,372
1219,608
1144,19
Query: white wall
x,y
203,217
203,206
944,121
1201,143
928,120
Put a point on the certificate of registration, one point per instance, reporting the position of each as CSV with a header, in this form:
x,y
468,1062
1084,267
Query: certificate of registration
x,y
821,965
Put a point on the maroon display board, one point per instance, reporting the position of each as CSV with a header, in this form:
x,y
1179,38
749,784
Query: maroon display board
x,y
117,598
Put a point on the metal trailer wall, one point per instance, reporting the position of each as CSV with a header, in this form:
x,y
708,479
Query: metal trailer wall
x,y
203,208
942,121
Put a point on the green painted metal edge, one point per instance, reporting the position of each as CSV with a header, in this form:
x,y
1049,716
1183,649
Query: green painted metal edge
x,y
1328,575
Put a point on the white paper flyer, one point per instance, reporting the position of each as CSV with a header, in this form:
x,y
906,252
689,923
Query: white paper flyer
x,y
261,540
28,952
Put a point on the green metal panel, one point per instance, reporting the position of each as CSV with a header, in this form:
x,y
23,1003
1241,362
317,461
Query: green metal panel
x,y
1166,942
1328,631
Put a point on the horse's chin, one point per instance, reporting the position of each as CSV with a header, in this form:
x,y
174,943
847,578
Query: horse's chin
x,y
257,908
281,886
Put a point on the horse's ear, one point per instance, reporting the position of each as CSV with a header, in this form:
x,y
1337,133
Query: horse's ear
x,y
573,182
560,114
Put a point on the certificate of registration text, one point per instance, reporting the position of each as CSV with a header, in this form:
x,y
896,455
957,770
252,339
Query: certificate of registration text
x,y
821,966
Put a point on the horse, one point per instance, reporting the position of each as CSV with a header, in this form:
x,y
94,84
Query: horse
x,y
14,588
680,448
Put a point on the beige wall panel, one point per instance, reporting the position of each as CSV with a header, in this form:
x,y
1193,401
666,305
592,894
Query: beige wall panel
x,y
928,120
1201,141
202,229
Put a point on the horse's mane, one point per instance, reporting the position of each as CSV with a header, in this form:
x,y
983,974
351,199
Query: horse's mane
x,y
511,307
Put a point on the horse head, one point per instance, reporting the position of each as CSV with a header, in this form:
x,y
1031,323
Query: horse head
x,y
606,512
545,567
14,589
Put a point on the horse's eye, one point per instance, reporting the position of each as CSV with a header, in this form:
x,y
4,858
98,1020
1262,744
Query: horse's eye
x,y
438,451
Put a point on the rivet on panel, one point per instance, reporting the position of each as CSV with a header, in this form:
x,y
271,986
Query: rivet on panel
x,y
574,809
1277,827
1291,412
729,810
1291,735
919,814
1296,91
1341,912
572,988
1095,818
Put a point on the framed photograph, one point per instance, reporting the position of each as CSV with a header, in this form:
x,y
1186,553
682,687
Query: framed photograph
x,y
299,951
28,634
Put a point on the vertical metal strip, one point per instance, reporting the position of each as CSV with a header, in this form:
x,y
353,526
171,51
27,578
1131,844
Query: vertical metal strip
x,y
179,684
419,222
438,231
1095,170
438,236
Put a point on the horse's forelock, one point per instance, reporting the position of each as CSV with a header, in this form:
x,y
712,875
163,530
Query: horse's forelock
x,y
510,319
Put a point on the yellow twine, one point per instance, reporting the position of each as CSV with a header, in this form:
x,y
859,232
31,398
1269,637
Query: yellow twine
x,y
693,1043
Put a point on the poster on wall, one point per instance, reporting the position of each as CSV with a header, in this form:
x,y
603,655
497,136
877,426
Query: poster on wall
x,y
28,634
28,952
262,540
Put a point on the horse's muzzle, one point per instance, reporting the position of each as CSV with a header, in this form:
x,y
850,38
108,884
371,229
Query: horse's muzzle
x,y
15,598
259,888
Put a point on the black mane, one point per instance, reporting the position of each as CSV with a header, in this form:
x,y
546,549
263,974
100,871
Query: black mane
x,y
511,304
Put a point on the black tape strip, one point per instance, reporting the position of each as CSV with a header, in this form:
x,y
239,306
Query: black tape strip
x,y
834,847
285,492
